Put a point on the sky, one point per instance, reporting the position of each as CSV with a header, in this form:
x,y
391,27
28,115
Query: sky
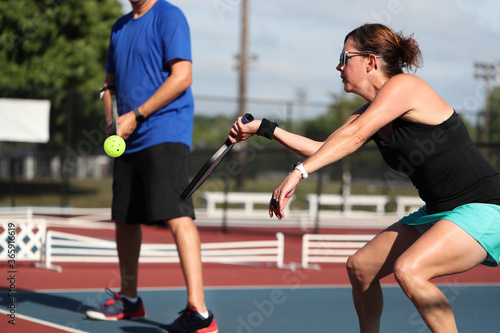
x,y
297,44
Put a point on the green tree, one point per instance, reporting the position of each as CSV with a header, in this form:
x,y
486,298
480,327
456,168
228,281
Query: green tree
x,y
55,43
57,49
495,115
340,109
210,132
319,129
493,150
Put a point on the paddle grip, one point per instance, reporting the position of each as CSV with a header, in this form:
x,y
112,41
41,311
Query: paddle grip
x,y
247,117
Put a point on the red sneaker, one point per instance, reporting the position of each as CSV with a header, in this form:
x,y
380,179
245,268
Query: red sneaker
x,y
118,308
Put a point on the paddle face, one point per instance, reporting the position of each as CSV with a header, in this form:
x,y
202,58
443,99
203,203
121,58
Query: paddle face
x,y
211,164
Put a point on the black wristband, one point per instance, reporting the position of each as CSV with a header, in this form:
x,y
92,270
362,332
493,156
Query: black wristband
x,y
103,89
266,129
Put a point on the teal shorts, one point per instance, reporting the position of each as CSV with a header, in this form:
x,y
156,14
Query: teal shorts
x,y
481,221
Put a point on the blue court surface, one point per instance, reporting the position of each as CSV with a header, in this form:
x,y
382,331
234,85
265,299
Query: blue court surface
x,y
266,310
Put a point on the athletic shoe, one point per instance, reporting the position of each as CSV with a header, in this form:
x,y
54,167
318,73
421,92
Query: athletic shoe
x,y
190,321
118,308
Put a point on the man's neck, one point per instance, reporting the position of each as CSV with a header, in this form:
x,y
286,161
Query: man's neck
x,y
141,7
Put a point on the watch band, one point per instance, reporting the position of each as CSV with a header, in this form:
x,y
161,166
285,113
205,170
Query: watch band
x,y
299,166
138,116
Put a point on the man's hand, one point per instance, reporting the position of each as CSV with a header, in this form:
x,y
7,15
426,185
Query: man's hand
x,y
127,124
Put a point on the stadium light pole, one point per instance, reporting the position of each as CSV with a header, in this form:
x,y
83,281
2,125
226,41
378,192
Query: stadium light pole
x,y
487,72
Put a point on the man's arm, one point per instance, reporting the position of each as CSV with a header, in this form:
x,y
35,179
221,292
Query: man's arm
x,y
179,80
107,91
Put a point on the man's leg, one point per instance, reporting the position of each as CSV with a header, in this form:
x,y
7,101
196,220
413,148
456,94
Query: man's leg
x,y
128,245
188,244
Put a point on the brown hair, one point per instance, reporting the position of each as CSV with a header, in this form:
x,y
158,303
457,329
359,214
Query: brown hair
x,y
397,51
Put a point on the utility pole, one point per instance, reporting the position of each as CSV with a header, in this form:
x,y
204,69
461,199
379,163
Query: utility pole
x,y
243,59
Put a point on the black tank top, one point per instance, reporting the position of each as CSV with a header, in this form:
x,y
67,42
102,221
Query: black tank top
x,y
442,162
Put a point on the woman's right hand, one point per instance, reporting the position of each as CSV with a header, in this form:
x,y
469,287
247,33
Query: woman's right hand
x,y
240,131
282,195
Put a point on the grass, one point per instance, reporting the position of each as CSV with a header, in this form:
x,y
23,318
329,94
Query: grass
x,y
82,193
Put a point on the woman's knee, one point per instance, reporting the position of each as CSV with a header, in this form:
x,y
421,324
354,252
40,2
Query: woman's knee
x,y
406,274
359,270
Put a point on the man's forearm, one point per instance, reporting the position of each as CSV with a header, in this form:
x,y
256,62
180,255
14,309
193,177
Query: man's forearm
x,y
179,80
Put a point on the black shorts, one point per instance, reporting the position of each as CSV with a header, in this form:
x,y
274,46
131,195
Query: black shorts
x,y
147,185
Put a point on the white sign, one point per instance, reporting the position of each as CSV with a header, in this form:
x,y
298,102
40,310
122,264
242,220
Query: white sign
x,y
24,120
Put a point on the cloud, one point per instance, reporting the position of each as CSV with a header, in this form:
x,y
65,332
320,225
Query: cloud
x,y
297,43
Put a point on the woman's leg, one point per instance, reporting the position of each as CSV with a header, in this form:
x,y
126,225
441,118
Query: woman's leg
x,y
371,263
443,250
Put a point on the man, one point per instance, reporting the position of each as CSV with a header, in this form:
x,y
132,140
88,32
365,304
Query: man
x,y
149,68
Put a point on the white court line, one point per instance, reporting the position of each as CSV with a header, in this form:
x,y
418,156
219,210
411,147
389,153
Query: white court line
x,y
270,286
44,322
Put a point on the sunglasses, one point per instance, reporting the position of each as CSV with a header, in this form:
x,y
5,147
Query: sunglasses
x,y
343,56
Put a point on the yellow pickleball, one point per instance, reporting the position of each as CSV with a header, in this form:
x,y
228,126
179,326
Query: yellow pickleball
x,y
114,146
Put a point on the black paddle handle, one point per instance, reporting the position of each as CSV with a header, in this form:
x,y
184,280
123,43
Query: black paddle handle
x,y
247,117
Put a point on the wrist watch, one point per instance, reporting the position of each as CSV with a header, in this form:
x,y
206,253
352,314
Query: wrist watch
x,y
138,116
299,166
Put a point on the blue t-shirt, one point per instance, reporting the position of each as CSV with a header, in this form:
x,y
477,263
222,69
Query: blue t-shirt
x,y
138,55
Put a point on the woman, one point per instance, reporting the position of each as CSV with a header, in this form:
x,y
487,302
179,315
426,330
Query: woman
x,y
417,133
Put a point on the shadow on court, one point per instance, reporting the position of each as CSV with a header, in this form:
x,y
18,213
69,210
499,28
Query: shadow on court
x,y
263,310
54,301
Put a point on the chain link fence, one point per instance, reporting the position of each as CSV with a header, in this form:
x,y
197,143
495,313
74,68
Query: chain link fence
x,y
72,169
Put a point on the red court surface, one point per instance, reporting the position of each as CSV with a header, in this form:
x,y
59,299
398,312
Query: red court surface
x,y
86,276
95,275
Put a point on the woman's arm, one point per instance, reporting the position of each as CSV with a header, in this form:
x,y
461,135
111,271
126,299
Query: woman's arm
x,y
393,100
298,144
